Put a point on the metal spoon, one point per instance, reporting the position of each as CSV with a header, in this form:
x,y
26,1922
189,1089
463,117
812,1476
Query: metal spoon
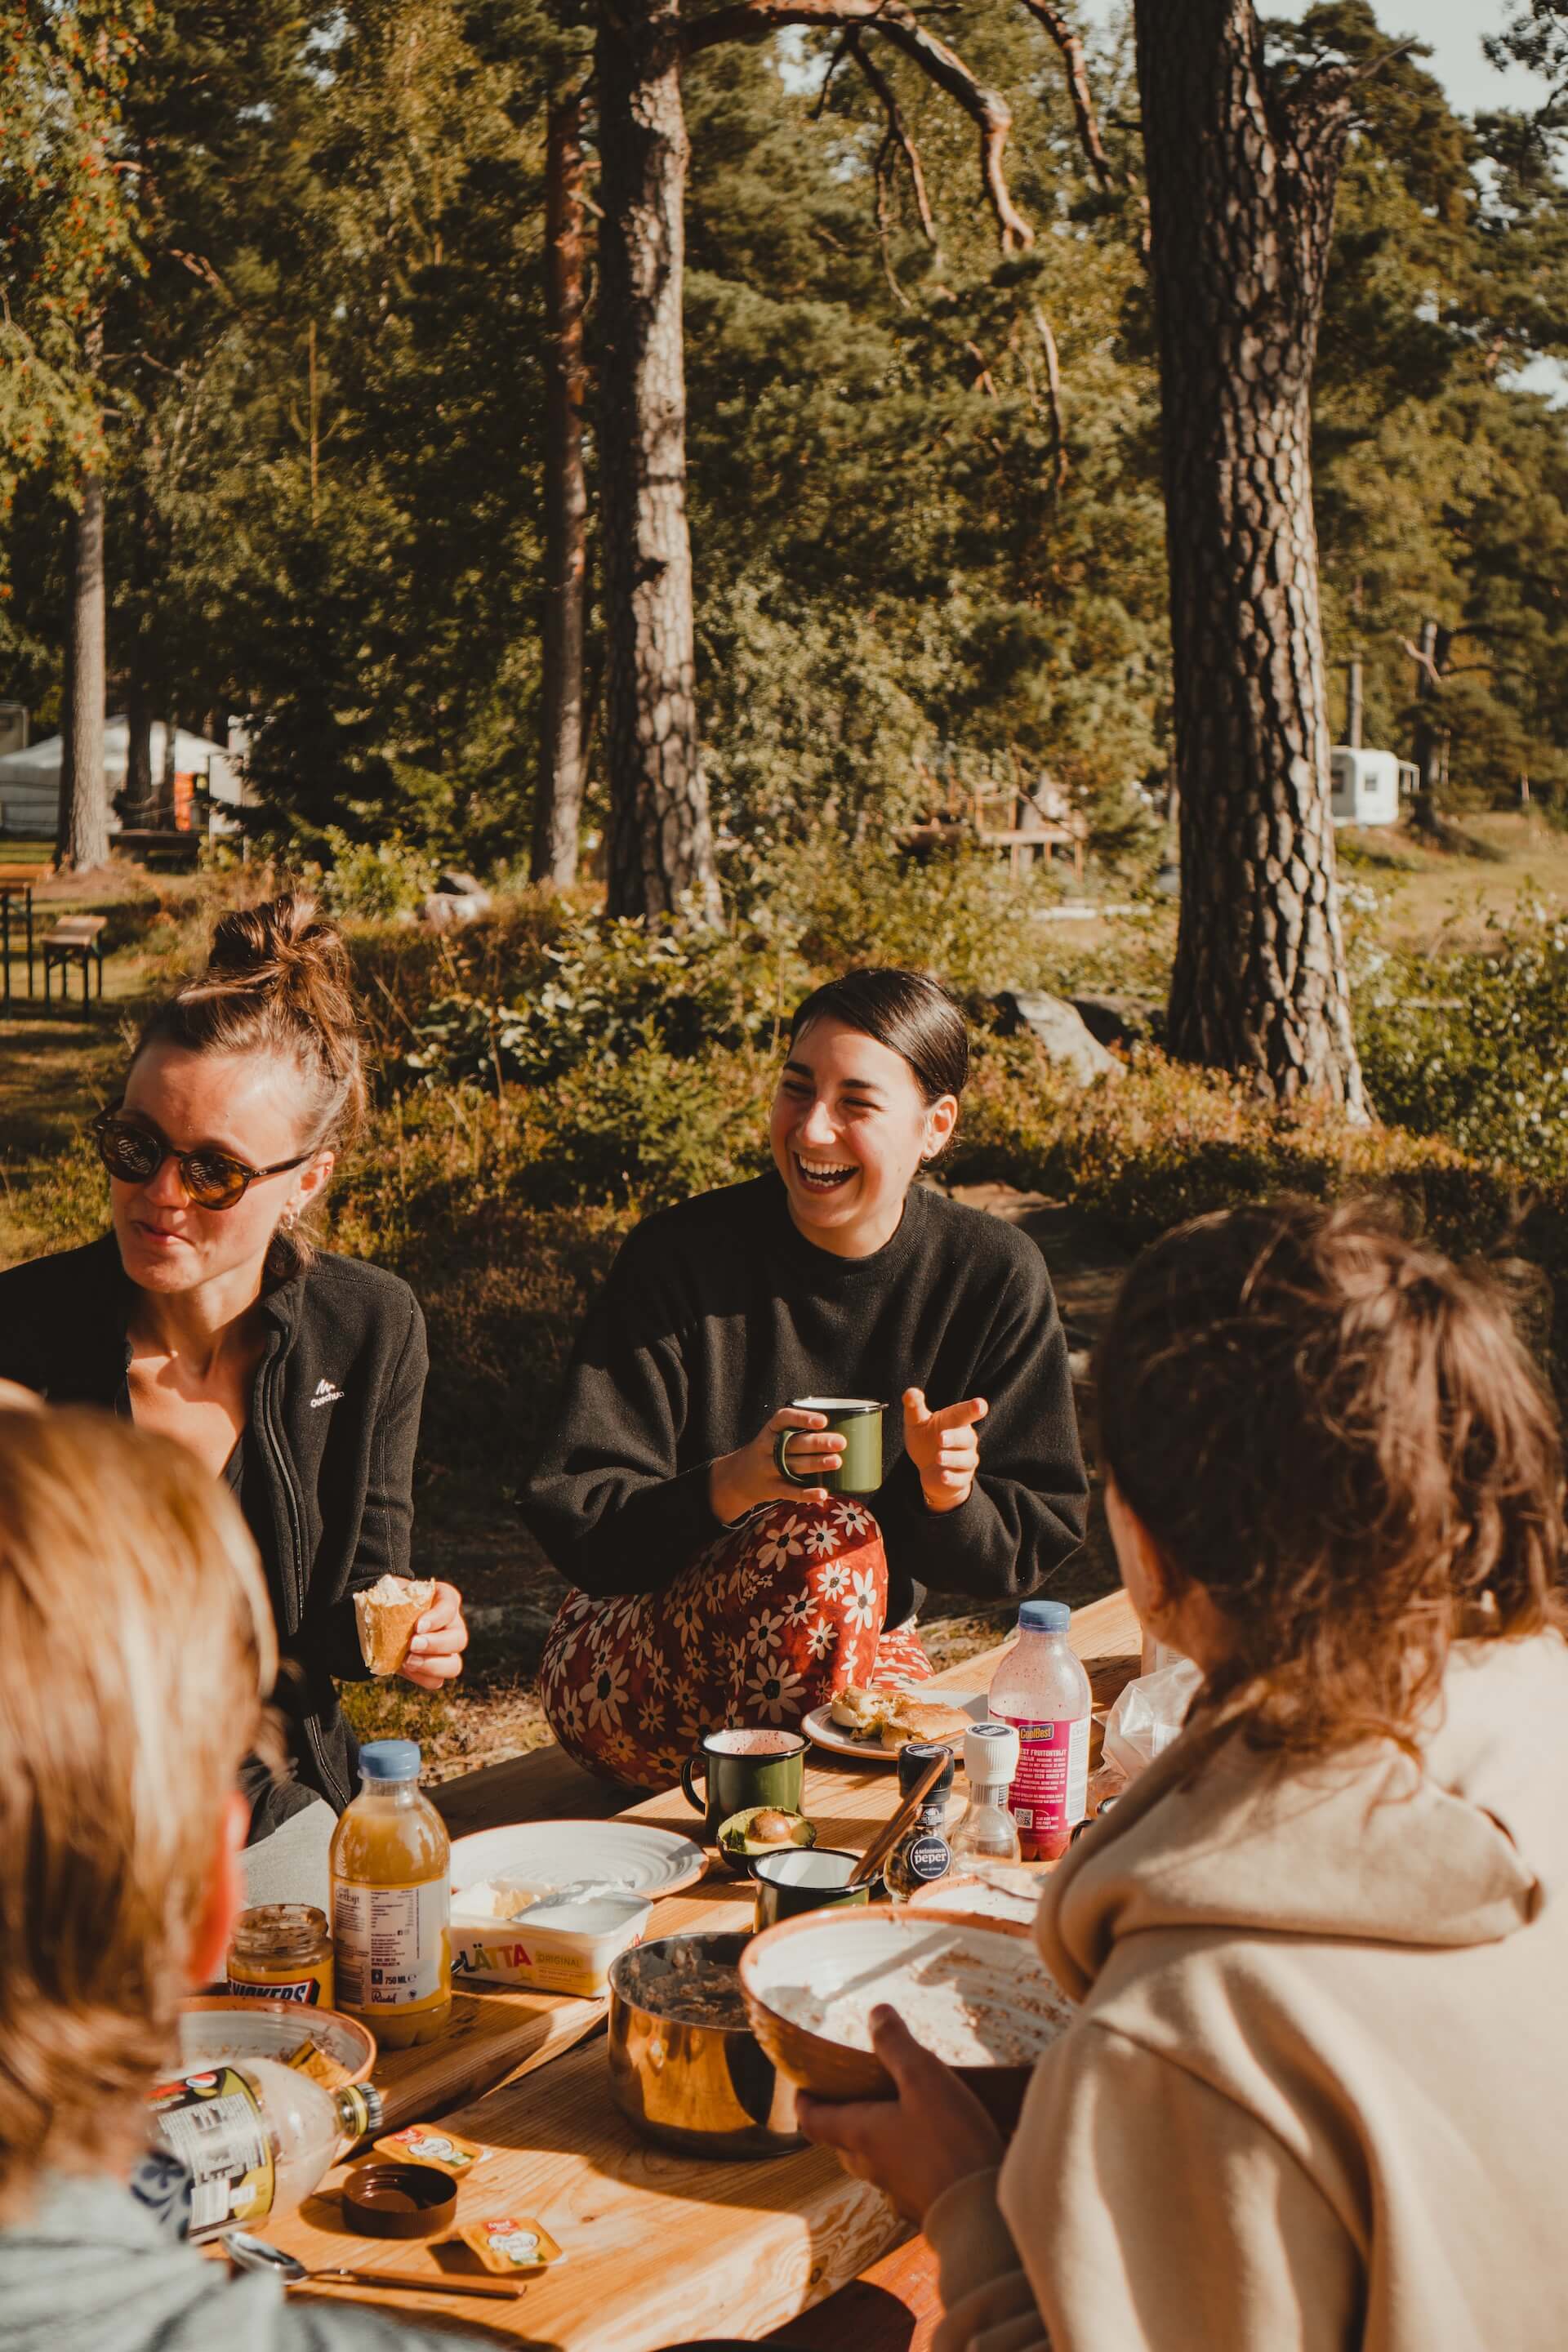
x,y
249,2253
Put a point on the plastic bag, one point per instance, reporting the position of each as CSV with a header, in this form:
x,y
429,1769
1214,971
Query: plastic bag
x,y
1148,1714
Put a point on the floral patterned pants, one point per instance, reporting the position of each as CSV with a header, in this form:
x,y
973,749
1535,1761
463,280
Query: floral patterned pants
x,y
781,1612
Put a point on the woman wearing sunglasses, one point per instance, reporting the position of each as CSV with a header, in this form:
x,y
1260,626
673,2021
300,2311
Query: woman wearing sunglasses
x,y
297,1377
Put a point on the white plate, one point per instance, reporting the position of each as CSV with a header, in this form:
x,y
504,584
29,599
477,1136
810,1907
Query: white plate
x,y
819,1723
629,1856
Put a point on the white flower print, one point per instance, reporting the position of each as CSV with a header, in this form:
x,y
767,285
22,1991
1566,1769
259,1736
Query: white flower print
x,y
863,1605
605,1695
765,1628
799,1607
833,1579
777,1550
775,1689
851,1519
685,1615
565,1711
644,1649
822,1637
657,1675
821,1539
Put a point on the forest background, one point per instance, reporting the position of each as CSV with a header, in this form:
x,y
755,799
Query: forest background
x,y
929,539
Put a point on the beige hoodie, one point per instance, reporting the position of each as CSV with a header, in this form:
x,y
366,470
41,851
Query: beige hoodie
x,y
1317,2094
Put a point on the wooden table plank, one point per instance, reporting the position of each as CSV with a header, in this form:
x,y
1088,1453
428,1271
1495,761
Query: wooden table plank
x,y
662,2248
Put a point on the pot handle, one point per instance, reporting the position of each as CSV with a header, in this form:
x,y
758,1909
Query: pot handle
x,y
688,1774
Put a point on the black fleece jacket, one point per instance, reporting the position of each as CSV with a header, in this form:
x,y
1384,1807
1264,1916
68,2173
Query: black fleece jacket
x,y
328,1477
719,1311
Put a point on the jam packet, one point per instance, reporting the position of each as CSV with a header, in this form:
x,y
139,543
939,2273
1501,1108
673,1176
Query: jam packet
x,y
444,2152
508,2242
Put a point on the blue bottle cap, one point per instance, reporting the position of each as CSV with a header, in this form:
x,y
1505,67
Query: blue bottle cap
x,y
390,1760
1044,1617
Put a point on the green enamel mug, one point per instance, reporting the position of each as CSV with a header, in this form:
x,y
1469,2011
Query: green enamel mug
x,y
858,1422
743,1767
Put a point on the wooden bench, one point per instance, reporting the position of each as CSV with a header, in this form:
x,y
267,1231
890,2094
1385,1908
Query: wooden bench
x,y
75,938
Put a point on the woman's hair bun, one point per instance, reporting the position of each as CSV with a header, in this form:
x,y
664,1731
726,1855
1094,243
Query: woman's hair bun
x,y
280,941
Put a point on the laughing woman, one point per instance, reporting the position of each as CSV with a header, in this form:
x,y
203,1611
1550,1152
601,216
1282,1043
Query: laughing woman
x,y
712,1590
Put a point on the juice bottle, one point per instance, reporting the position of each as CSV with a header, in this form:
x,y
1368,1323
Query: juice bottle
x,y
390,1901
1041,1689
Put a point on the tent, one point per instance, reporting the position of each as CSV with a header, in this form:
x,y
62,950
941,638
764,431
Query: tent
x,y
30,780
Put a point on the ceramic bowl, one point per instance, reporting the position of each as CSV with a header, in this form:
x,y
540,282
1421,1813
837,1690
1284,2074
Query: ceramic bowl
x,y
215,2026
824,1953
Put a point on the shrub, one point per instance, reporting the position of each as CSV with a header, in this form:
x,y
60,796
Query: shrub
x,y
1473,1046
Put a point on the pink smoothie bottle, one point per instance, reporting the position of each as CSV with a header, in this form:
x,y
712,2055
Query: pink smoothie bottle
x,y
1041,1689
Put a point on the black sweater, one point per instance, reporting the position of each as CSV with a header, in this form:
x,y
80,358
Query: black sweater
x,y
329,1452
719,1311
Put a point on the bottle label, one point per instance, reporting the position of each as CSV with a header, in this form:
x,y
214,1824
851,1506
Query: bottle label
x,y
306,1990
211,2124
1051,1790
926,1858
390,1942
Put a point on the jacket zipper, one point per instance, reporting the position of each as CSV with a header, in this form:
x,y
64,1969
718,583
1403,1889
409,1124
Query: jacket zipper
x,y
272,1425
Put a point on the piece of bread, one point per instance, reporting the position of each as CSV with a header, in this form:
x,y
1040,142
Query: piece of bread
x,y
861,1711
386,1615
919,1718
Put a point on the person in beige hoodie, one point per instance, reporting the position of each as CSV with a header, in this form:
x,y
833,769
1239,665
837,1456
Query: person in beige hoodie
x,y
1316,2092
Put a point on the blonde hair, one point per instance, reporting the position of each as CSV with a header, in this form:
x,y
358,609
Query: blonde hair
x,y
137,1643
277,981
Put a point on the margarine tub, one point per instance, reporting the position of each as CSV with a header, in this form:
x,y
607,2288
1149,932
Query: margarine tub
x,y
552,1945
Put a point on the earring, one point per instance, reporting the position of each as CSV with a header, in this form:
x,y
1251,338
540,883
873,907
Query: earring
x,y
287,1220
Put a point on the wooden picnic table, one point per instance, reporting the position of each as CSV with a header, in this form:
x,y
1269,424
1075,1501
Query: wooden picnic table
x,y
659,2248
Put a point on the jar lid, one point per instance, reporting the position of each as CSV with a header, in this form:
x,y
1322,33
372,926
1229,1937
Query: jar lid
x,y
390,1760
1044,1617
399,2201
914,1759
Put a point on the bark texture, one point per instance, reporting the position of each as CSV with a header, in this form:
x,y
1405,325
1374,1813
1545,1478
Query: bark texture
x,y
559,806
83,836
1241,193
661,843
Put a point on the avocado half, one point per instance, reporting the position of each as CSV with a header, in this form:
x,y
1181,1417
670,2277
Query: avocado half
x,y
739,1845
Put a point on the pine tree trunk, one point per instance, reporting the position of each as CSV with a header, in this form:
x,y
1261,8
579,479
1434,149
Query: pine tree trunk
x,y
83,837
1241,194
139,745
660,844
558,809
1427,752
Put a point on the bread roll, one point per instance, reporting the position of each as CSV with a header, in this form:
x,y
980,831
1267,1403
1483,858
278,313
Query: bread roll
x,y
860,1711
917,1719
386,1615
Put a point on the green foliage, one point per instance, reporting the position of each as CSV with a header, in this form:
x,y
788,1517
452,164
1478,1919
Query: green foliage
x,y
373,880
1473,1046
68,223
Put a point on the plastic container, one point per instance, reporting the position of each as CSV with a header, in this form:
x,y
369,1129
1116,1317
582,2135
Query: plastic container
x,y
986,1830
255,2139
553,1946
1041,1689
390,1861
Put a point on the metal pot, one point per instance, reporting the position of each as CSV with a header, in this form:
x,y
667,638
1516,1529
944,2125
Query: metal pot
x,y
708,2090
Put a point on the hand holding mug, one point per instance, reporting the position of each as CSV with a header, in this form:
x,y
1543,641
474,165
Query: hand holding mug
x,y
738,1482
943,1448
